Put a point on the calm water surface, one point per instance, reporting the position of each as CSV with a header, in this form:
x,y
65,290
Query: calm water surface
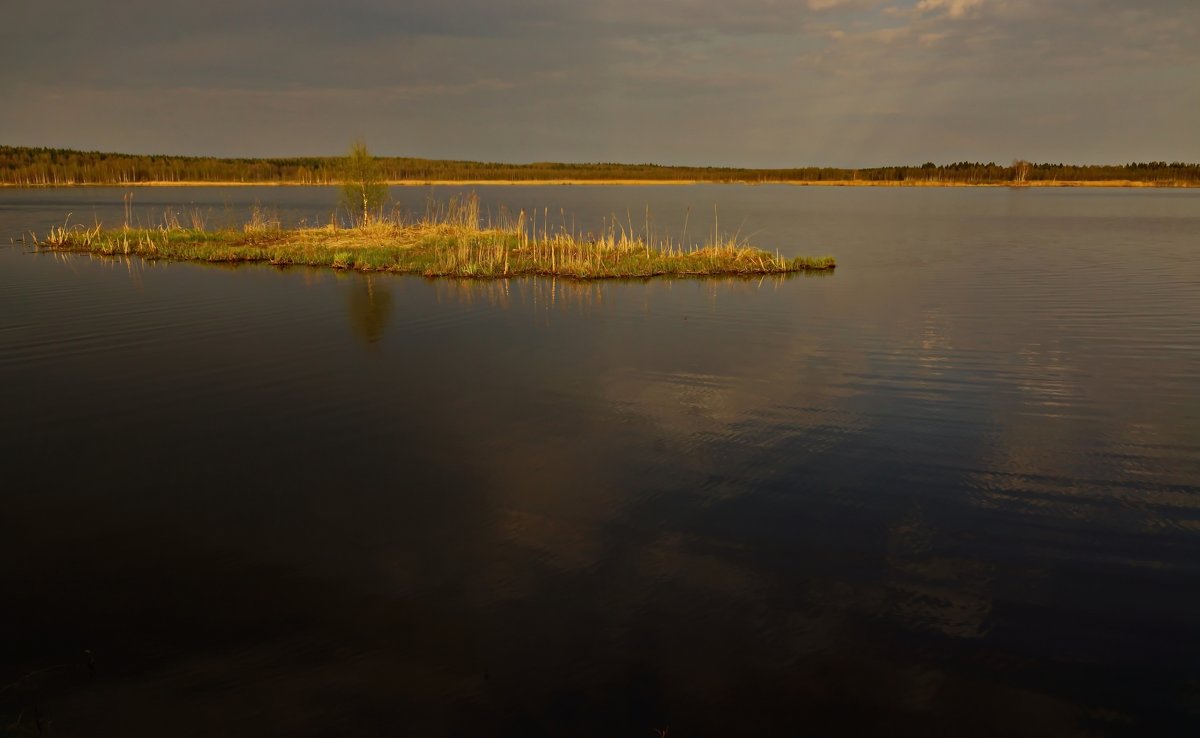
x,y
952,489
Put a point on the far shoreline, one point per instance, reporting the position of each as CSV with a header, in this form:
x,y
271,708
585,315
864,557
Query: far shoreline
x,y
1125,184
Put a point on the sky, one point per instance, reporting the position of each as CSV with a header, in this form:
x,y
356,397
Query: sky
x,y
761,83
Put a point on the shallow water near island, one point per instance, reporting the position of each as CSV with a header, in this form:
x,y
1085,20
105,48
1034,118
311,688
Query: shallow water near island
x,y
952,488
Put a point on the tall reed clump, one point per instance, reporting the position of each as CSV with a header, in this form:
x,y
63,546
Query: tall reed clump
x,y
67,236
453,239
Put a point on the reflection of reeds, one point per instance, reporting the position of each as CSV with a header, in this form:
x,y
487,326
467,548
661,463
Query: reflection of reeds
x,y
450,240
574,295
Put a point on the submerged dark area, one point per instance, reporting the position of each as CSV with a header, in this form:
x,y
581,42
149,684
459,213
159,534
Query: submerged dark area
x,y
952,489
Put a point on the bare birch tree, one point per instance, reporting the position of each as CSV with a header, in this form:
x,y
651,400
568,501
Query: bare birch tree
x,y
1021,169
364,191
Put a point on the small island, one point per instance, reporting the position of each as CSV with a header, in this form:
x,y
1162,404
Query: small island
x,y
450,241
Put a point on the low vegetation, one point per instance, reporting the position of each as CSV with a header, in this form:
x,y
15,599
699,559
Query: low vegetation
x,y
451,240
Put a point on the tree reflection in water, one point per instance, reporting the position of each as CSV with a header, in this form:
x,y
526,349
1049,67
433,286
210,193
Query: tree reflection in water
x,y
369,304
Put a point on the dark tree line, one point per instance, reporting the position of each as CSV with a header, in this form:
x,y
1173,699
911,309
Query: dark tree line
x,y
40,166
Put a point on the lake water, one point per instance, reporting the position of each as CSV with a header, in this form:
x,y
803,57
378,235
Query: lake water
x,y
951,489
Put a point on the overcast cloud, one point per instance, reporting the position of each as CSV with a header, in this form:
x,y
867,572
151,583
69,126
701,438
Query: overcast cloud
x,y
737,82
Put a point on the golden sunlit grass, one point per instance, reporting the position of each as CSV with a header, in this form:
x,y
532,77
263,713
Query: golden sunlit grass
x,y
451,240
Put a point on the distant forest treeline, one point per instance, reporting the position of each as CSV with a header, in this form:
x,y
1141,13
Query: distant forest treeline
x,y
40,166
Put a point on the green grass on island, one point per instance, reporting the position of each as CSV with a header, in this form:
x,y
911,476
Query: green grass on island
x,y
449,241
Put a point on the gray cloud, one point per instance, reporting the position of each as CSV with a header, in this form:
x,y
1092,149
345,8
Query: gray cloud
x,y
763,83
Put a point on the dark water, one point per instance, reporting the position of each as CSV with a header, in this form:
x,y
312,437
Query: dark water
x,y
952,489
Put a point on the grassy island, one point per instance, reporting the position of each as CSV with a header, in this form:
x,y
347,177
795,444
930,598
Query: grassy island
x,y
450,241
